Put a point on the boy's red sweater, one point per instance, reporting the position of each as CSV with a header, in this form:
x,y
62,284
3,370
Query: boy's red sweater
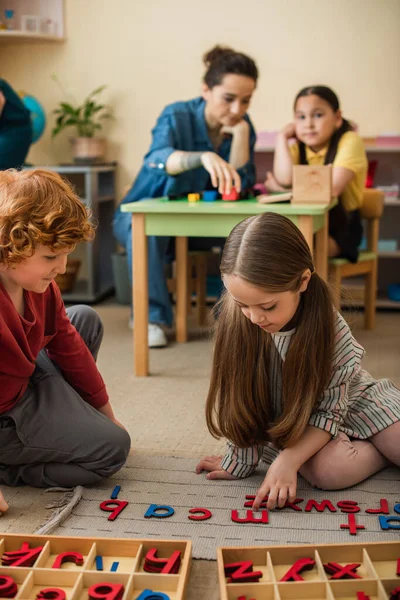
x,y
45,324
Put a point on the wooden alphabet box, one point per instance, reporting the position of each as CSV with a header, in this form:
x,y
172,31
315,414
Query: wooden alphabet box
x,y
312,184
82,568
368,571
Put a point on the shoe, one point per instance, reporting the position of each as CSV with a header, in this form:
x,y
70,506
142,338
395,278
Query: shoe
x,y
157,337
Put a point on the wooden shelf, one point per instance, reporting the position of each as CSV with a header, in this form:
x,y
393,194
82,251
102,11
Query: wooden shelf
x,y
389,253
15,36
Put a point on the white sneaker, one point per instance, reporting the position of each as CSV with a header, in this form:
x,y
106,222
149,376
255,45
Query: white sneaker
x,y
157,337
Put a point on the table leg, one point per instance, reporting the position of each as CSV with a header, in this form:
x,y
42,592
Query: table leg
x,y
305,225
181,252
321,250
140,294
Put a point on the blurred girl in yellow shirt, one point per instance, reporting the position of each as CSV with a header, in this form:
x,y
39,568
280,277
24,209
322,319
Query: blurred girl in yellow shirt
x,y
322,137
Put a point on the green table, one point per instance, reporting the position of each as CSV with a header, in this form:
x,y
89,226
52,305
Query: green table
x,y
183,219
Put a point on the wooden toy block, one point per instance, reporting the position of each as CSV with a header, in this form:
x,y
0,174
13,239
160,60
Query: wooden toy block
x,y
210,195
69,581
232,196
312,184
272,198
115,492
356,571
193,197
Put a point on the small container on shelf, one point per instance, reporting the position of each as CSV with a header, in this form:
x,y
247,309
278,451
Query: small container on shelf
x,y
30,23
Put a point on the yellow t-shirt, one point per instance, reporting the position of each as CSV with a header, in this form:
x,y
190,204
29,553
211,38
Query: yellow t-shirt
x,y
350,155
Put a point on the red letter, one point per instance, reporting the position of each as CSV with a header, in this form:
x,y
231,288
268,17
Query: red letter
x,y
207,514
348,506
152,564
352,525
383,508
242,572
395,594
304,564
319,506
21,558
118,507
8,587
106,591
51,594
342,571
250,518
73,557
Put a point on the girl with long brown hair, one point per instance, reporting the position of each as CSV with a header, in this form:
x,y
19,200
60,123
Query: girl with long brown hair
x,y
287,385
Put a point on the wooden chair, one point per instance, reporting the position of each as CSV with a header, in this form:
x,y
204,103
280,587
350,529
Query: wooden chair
x,y
367,263
197,277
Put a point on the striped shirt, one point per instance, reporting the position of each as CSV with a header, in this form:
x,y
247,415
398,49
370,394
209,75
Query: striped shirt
x,y
353,402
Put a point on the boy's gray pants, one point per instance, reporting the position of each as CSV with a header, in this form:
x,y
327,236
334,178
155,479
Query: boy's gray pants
x,y
51,437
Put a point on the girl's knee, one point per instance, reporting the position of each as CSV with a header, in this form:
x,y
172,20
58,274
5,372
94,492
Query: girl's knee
x,y
325,469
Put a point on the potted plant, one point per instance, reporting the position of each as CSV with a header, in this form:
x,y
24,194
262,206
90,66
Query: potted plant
x,y
87,118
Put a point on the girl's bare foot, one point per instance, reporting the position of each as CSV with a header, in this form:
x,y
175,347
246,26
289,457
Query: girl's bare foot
x,y
3,504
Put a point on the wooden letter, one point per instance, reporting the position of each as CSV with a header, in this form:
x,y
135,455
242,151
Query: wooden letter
x,y
115,507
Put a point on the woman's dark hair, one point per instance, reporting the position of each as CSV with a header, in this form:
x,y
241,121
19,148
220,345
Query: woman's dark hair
x,y
324,92
221,61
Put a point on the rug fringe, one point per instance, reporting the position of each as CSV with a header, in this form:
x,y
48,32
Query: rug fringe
x,y
63,508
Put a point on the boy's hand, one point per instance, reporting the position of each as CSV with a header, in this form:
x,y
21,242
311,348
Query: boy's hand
x,y
3,504
213,465
279,485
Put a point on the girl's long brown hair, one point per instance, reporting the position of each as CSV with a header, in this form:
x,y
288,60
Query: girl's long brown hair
x,y
268,251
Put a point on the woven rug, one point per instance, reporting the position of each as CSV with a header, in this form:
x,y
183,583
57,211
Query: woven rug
x,y
172,482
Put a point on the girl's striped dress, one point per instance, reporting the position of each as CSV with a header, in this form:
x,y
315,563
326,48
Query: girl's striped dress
x,y
353,402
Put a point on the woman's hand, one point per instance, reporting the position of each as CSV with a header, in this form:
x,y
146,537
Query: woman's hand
x,y
289,131
272,185
279,485
2,102
223,175
241,128
212,464
3,504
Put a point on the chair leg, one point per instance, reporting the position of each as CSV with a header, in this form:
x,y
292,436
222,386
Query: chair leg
x,y
370,297
335,279
201,274
191,263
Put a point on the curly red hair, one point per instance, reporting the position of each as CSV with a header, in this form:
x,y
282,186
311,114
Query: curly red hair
x,y
39,207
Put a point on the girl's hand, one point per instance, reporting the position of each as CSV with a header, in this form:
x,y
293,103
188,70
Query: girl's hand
x,y
3,504
279,485
272,185
289,131
213,465
223,175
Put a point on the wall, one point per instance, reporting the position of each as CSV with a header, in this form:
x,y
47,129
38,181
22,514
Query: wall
x,y
149,53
